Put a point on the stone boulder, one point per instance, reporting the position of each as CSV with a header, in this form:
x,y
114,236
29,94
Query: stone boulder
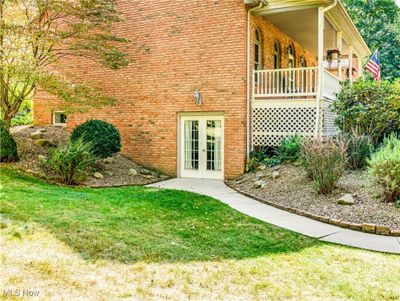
x,y
37,135
144,171
133,172
275,174
42,159
98,175
260,184
44,142
346,199
108,160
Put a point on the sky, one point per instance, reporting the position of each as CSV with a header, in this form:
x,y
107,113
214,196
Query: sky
x,y
398,2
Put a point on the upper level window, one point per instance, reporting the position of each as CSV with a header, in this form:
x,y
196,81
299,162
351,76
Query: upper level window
x,y
290,52
59,118
277,55
302,61
258,51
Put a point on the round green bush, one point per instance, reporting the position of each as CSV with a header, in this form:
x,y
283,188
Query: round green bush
x,y
104,137
8,147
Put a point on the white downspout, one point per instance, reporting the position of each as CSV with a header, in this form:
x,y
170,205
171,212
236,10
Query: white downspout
x,y
249,12
321,21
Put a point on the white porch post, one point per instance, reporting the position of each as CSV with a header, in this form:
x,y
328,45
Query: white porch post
x,y
351,63
339,45
321,22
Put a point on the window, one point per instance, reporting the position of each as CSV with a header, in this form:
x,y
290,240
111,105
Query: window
x,y
258,51
302,61
277,55
59,118
290,51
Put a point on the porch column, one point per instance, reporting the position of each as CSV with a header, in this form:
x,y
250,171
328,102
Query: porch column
x,y
321,23
339,45
351,63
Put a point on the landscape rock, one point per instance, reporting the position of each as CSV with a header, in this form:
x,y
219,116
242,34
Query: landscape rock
x,y
148,176
133,172
261,167
108,160
240,180
98,175
144,171
44,142
42,158
260,174
346,199
42,130
275,168
275,174
108,173
36,135
260,184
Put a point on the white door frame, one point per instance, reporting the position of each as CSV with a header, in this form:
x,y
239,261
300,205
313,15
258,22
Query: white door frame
x,y
202,172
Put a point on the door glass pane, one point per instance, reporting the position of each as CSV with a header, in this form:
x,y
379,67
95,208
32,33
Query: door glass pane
x,y
191,144
214,145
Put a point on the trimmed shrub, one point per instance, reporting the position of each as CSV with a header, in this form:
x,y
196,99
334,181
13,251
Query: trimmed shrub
x,y
358,151
72,162
385,167
8,147
103,136
289,150
324,162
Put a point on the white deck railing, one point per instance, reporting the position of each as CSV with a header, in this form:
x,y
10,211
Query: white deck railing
x,y
294,82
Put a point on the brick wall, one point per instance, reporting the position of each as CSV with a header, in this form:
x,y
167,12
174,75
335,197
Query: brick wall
x,y
270,34
177,47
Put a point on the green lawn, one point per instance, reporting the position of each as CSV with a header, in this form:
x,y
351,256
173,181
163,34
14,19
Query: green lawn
x,y
142,243
142,224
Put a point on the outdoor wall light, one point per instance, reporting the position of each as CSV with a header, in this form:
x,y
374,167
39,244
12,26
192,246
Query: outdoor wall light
x,y
197,97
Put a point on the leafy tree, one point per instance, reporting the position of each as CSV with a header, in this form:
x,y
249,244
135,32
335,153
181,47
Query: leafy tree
x,y
36,34
368,108
379,23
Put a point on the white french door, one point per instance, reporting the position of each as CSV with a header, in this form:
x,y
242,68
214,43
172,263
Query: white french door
x,y
202,147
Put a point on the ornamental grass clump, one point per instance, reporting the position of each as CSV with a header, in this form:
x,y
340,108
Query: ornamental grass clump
x,y
385,167
359,151
324,162
72,162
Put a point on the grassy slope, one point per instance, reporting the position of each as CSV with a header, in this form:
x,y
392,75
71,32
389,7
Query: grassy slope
x,y
173,245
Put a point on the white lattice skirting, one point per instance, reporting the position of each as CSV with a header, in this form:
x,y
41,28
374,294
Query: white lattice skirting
x,y
272,121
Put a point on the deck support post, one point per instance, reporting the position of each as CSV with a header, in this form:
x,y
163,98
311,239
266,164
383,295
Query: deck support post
x,y
339,45
321,23
351,63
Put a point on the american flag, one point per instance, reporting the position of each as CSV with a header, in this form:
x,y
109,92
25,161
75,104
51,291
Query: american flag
x,y
374,66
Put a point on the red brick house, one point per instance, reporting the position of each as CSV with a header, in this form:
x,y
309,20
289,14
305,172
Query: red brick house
x,y
213,79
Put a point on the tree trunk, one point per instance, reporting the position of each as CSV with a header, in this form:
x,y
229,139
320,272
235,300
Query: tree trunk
x,y
7,120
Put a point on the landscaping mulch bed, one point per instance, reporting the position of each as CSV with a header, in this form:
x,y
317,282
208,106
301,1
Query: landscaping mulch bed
x,y
292,189
116,171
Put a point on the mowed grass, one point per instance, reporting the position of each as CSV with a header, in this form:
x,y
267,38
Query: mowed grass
x,y
146,244
142,224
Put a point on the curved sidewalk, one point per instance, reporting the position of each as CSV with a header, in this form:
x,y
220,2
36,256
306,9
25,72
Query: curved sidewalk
x,y
284,219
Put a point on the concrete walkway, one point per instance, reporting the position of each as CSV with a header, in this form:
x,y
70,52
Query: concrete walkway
x,y
296,223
